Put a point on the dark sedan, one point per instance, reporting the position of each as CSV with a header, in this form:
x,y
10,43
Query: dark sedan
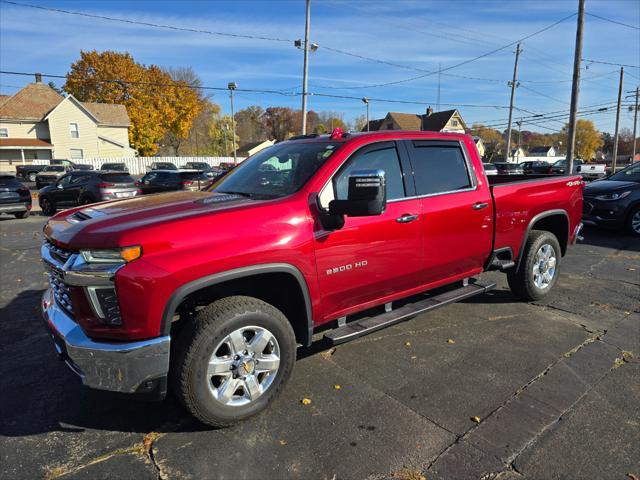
x,y
169,180
15,198
535,167
84,187
615,201
505,168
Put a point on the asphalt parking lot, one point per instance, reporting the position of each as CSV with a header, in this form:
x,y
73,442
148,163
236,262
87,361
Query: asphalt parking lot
x,y
485,389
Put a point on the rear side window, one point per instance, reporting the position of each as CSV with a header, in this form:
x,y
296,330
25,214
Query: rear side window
x,y
193,176
116,178
439,168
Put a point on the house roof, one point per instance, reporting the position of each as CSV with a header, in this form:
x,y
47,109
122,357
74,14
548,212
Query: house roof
x,y
438,120
37,100
374,125
406,121
250,146
109,113
24,142
410,121
544,149
32,102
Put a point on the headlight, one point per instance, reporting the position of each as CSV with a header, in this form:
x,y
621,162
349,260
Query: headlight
x,y
115,255
613,196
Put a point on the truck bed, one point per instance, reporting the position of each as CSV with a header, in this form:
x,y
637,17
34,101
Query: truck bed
x,y
518,199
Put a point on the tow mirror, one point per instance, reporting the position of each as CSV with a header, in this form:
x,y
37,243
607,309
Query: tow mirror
x,y
367,195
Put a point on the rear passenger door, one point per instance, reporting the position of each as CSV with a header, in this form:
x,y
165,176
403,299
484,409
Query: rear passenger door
x,y
372,257
457,210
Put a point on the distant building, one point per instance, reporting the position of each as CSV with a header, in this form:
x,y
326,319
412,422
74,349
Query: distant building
x,y
480,146
249,149
446,121
39,123
546,151
516,155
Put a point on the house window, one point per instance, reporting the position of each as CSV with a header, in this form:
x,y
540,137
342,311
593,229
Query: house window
x,y
4,132
454,123
73,130
76,153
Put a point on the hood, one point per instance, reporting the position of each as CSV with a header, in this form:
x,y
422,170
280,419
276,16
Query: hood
x,y
600,187
104,225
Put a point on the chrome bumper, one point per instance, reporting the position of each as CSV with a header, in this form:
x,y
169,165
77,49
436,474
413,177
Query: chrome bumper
x,y
133,367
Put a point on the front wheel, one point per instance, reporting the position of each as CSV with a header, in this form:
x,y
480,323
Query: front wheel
x,y
232,360
47,206
538,270
633,221
24,214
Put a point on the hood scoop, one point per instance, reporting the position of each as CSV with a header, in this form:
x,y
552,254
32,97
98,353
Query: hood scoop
x,y
220,198
84,214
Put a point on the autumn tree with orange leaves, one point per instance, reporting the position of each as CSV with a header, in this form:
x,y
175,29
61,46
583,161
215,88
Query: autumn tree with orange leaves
x,y
156,103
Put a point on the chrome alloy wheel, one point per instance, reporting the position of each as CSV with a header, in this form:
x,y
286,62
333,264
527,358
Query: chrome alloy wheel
x,y
635,222
544,267
243,366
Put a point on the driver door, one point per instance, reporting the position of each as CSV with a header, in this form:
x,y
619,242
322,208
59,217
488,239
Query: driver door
x,y
62,194
372,257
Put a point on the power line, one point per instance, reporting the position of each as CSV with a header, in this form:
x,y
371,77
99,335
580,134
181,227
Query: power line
x,y
543,94
609,63
147,24
612,21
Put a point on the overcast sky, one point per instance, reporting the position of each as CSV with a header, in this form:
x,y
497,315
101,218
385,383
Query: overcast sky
x,y
419,35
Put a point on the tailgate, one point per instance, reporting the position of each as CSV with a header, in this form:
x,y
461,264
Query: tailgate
x,y
520,204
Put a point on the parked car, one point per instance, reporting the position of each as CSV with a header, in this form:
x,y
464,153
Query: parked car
x,y
85,187
592,171
162,166
82,166
50,174
212,172
214,290
28,172
490,169
614,202
170,180
15,198
505,168
560,167
115,167
535,167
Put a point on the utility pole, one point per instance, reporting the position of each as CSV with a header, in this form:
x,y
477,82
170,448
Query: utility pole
x,y
305,72
615,138
635,127
575,90
366,102
225,127
513,84
232,86
519,132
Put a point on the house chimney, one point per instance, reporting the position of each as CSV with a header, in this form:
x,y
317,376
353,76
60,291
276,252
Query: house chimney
x,y
38,78
429,111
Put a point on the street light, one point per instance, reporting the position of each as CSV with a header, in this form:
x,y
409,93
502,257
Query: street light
x,y
232,86
365,100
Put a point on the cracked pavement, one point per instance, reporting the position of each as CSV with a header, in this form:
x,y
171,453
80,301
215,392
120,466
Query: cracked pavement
x,y
533,391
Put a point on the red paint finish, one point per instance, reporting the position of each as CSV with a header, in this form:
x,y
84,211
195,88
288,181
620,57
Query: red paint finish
x,y
370,261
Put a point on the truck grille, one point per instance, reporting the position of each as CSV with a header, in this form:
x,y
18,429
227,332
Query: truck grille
x,y
60,289
60,254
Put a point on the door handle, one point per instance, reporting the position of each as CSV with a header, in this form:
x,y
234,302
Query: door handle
x,y
406,218
479,205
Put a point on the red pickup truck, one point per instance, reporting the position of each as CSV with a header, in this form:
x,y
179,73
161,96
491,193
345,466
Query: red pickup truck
x,y
212,291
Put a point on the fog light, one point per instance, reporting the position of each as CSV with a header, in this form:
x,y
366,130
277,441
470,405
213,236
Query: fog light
x,y
105,304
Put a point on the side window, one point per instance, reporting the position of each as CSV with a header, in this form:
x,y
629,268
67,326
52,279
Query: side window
x,y
439,169
64,181
150,177
79,179
384,159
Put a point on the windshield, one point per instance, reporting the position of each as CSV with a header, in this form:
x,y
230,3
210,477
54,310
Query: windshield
x,y
53,169
560,163
117,178
629,174
276,171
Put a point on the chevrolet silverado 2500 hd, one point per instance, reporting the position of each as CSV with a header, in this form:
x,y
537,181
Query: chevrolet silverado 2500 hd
x,y
210,292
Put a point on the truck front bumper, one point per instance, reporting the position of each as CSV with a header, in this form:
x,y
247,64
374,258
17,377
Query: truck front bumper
x,y
134,367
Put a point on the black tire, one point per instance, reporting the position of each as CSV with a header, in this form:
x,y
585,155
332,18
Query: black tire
x,y
86,200
631,224
521,281
196,343
24,214
32,177
48,206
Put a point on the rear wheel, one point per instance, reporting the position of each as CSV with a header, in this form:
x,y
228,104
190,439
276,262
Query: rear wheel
x,y
47,205
633,221
538,270
24,214
232,360
86,200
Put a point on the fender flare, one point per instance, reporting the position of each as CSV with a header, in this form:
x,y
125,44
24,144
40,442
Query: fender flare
x,y
187,289
540,216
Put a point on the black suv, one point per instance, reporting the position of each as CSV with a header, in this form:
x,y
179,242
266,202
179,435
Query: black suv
x,y
169,180
15,198
117,167
84,187
532,167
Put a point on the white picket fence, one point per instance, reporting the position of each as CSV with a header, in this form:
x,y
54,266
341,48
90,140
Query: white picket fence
x,y
138,165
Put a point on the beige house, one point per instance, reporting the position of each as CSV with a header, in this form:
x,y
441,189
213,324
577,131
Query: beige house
x,y
38,123
480,146
445,121
249,149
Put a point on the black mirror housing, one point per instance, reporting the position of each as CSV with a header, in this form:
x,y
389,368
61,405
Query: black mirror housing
x,y
367,195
